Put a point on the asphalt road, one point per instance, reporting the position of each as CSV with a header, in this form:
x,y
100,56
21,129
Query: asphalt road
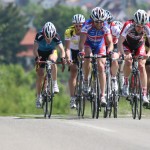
x,y
71,133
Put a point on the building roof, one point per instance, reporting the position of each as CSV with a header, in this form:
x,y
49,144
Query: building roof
x,y
26,53
29,37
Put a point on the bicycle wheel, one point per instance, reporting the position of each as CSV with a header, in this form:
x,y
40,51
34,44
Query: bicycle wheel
x,y
138,95
91,95
133,95
45,106
97,97
115,103
44,98
108,91
50,95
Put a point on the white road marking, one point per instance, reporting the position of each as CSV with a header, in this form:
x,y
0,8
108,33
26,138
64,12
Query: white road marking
x,y
90,126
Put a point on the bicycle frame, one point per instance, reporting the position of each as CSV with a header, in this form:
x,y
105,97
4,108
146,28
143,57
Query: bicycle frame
x,y
47,88
94,92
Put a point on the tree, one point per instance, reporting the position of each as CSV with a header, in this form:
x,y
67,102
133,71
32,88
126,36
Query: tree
x,y
12,29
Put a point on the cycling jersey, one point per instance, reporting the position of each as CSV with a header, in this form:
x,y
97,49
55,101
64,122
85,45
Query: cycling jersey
x,y
43,45
70,35
95,38
134,40
115,32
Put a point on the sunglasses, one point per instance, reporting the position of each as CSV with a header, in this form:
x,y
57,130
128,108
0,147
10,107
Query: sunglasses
x,y
139,26
78,25
98,22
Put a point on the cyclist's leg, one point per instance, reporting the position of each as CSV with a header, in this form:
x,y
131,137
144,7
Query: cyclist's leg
x,y
86,67
148,78
72,78
39,80
121,75
127,70
102,75
114,64
53,56
114,70
143,74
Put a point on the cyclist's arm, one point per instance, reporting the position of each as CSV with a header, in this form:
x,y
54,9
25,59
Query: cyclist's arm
x,y
148,46
120,44
61,48
82,40
35,49
67,49
109,41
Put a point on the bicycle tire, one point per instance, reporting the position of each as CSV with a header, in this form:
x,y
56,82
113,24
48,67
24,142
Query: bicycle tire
x,y
97,87
92,97
139,96
44,98
77,94
45,106
115,105
108,85
50,95
133,98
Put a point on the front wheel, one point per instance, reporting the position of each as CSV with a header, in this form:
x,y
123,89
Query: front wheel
x,y
50,96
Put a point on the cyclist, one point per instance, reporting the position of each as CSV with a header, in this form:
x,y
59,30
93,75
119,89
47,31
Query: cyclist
x,y
132,38
72,35
92,42
44,48
115,28
147,66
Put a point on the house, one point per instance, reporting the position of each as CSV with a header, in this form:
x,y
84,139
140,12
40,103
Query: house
x,y
25,57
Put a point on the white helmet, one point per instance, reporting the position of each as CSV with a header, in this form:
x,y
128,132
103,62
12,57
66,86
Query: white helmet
x,y
141,17
78,18
119,24
109,16
49,30
98,14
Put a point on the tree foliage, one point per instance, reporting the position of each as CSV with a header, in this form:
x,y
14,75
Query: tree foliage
x,y
12,29
17,90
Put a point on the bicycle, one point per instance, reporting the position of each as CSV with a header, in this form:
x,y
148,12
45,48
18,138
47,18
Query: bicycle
x,y
112,96
80,99
94,92
47,87
135,92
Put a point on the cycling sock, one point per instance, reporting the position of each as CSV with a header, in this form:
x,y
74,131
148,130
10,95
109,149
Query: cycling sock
x,y
55,82
113,77
125,80
144,91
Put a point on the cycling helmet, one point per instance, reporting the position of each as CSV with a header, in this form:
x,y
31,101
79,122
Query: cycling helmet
x,y
98,14
78,18
119,24
109,16
141,17
49,30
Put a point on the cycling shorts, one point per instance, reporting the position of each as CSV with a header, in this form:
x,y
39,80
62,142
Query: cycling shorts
x,y
45,55
140,51
100,49
74,55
